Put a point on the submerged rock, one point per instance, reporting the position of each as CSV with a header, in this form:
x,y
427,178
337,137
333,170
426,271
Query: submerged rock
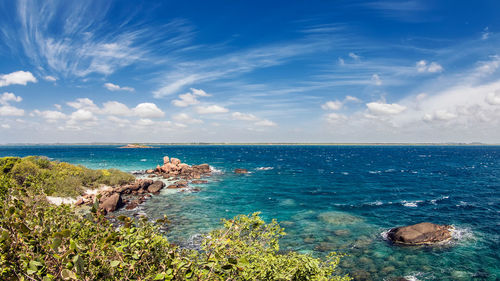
x,y
240,171
424,233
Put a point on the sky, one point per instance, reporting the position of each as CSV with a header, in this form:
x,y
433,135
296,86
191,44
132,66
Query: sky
x,y
249,71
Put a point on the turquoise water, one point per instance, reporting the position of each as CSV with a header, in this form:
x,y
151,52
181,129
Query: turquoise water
x,y
333,198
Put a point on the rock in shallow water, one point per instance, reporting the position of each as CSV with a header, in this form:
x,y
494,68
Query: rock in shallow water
x,y
424,233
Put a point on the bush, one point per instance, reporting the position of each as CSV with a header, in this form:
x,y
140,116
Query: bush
x,y
40,241
59,178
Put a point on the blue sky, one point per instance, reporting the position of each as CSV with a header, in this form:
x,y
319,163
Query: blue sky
x,y
249,71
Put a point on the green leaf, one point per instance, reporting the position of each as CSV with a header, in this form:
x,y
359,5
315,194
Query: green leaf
x,y
227,266
232,260
159,276
67,274
56,242
114,263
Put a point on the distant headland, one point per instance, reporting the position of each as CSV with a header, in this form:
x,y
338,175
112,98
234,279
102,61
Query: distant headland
x,y
135,145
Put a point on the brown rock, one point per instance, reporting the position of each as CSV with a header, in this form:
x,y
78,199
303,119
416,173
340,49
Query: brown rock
x,y
202,168
111,203
156,186
79,202
175,161
240,171
424,233
165,160
150,171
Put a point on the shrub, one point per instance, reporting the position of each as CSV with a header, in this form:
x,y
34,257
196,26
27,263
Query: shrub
x,y
59,178
40,241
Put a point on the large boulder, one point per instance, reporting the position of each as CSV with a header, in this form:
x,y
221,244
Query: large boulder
x,y
175,161
424,233
111,203
202,168
165,160
156,186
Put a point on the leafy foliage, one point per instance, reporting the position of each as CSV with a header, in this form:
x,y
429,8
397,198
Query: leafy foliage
x,y
40,241
58,178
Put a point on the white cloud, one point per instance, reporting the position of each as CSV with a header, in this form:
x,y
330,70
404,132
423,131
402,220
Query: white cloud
x,y
145,122
378,108
175,86
82,115
116,108
189,98
440,115
199,92
185,100
433,67
5,98
488,67
50,78
244,116
114,87
211,109
376,79
332,105
84,103
8,110
354,56
51,115
341,61
148,110
5,126
351,99
185,118
265,123
17,78
493,98
333,118
58,106
485,34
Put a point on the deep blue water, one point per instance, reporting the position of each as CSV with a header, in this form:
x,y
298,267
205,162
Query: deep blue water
x,y
334,198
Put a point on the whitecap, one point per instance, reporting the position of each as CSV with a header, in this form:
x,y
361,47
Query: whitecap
x,y
144,160
376,203
374,172
412,204
264,168
345,173
215,170
462,233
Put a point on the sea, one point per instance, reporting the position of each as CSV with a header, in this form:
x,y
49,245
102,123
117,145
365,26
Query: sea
x,y
328,198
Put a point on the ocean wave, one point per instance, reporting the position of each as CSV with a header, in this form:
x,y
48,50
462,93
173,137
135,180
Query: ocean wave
x,y
345,173
412,204
144,160
434,201
264,168
215,170
462,234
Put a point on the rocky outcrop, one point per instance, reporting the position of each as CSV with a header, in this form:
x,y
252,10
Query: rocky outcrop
x,y
174,168
240,171
424,233
135,193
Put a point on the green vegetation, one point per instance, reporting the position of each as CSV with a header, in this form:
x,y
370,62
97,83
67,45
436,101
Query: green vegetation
x,y
40,241
58,178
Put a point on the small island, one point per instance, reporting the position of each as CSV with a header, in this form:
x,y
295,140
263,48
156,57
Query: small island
x,y
135,145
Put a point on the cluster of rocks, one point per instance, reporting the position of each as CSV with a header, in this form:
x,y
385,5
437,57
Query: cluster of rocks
x,y
133,194
173,168
424,233
129,195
